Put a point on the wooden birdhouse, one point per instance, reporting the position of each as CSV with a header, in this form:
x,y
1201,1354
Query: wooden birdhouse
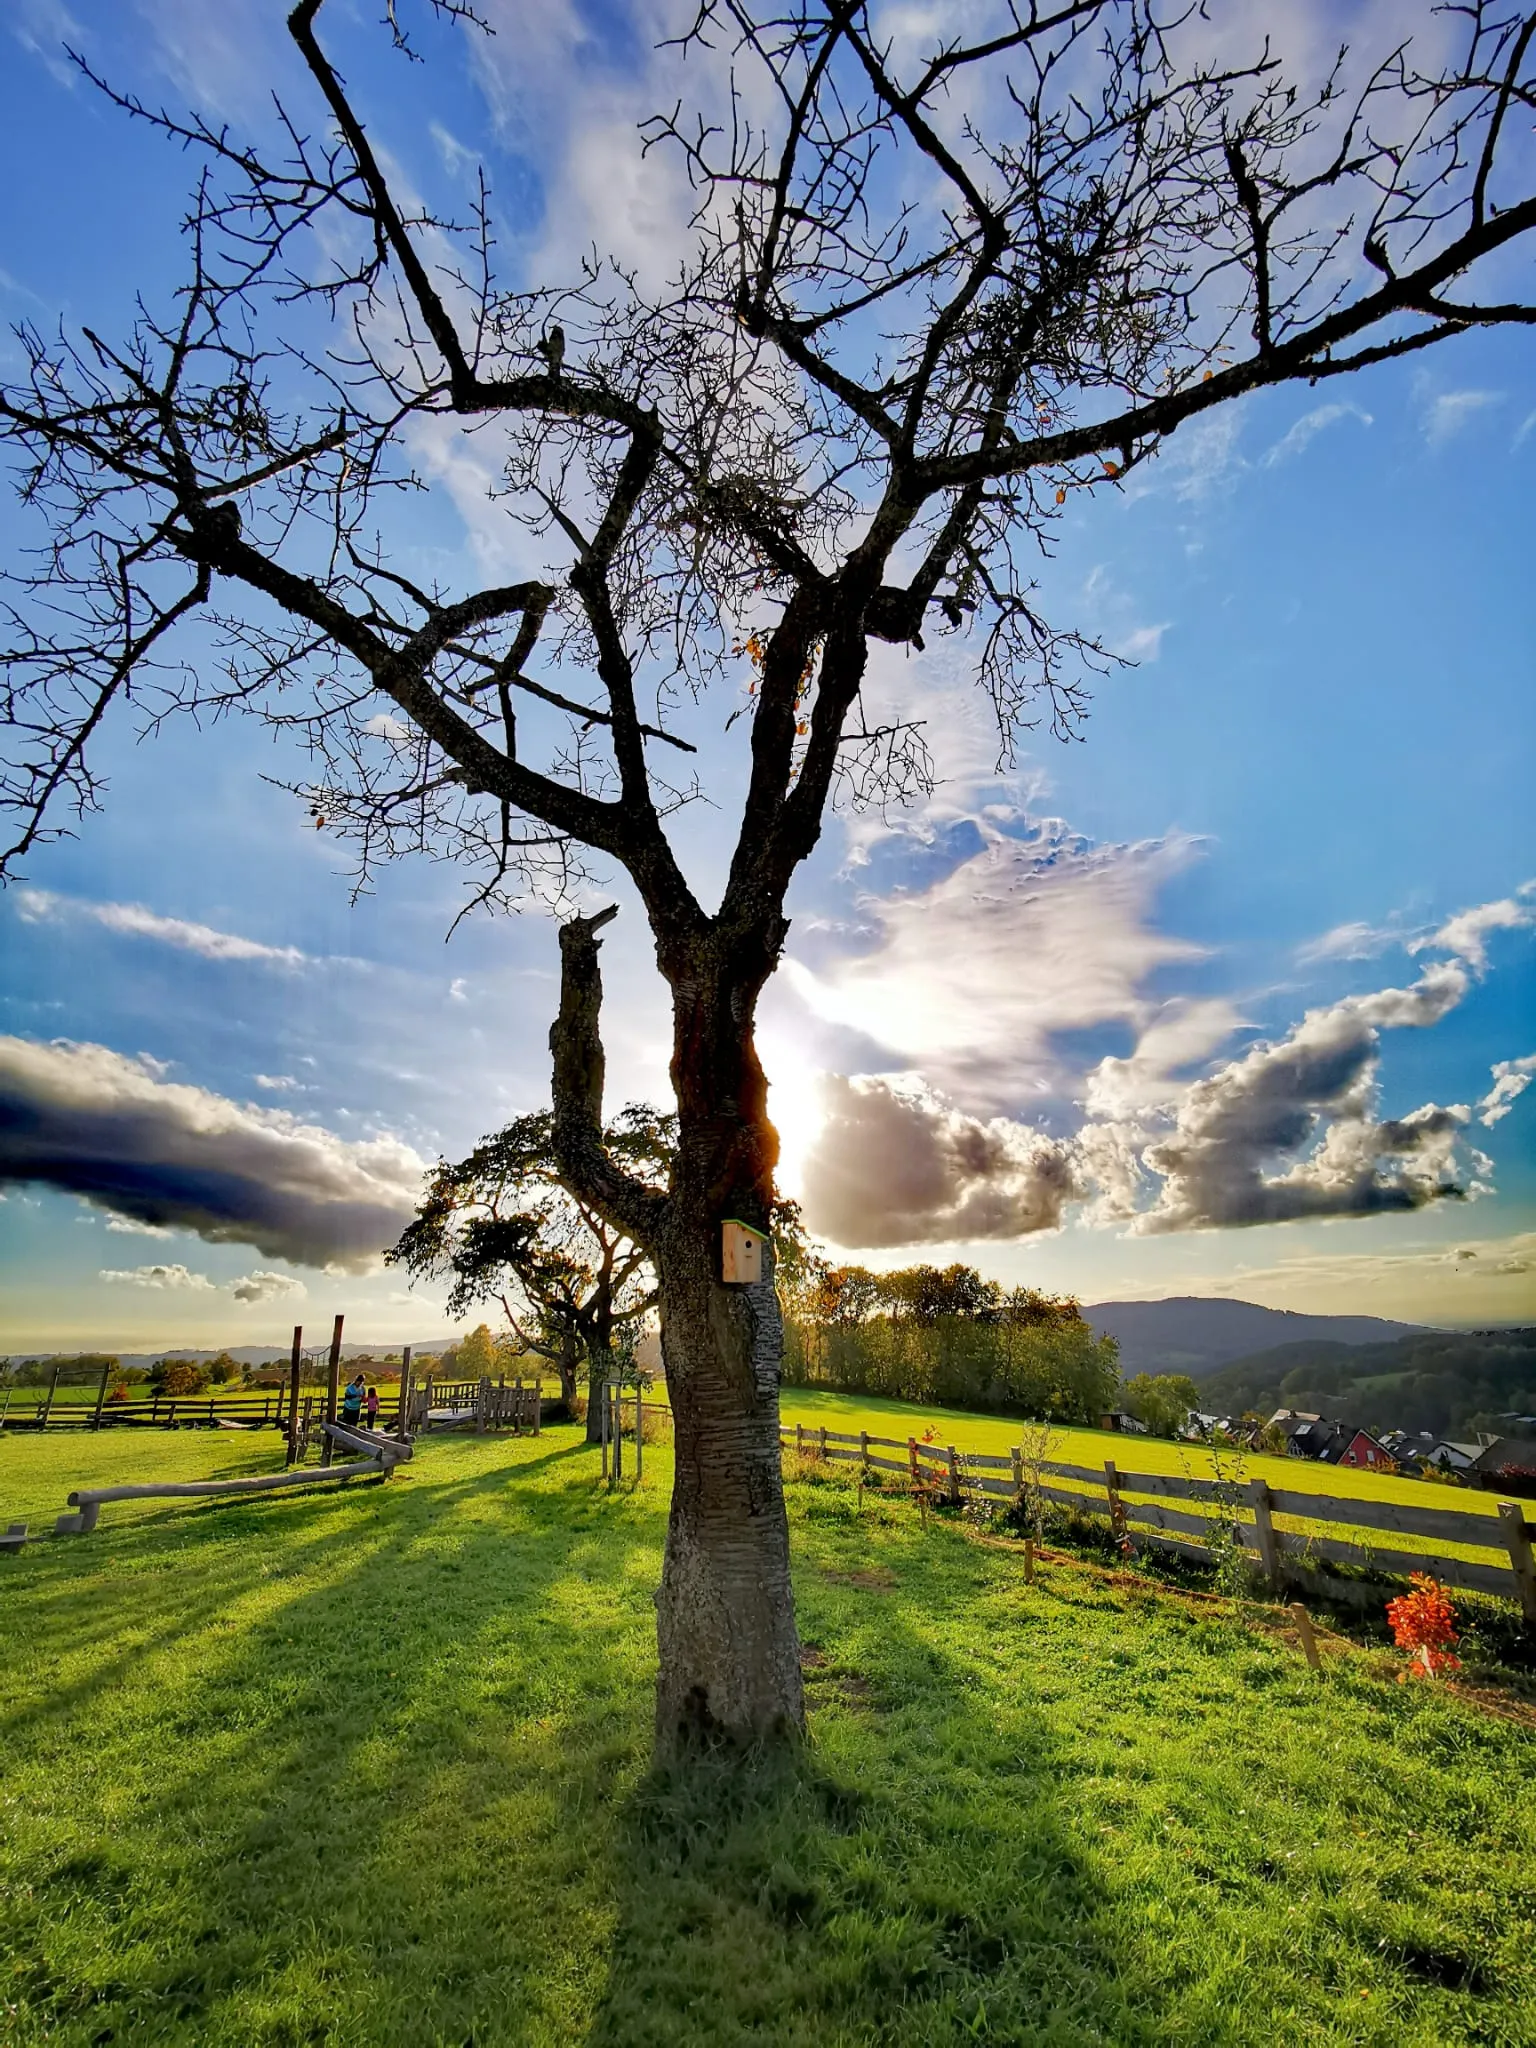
x,y
741,1254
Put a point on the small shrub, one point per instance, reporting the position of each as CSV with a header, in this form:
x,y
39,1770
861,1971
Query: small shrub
x,y
1424,1621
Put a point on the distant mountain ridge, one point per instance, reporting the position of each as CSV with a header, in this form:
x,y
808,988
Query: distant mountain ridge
x,y
1198,1335
243,1354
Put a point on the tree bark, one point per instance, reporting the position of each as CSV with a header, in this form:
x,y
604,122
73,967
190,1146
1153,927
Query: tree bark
x,y
725,1619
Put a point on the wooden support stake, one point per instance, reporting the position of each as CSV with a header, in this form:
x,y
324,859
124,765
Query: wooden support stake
x,y
1517,1535
101,1395
52,1389
1264,1532
639,1436
1116,1504
402,1419
538,1406
1029,1560
294,1364
1303,1622
616,1396
332,1385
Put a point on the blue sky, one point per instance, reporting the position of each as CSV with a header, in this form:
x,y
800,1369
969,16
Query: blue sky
x,y
1320,759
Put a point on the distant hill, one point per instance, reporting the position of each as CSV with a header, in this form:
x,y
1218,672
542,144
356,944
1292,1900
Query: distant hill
x,y
1196,1335
1451,1382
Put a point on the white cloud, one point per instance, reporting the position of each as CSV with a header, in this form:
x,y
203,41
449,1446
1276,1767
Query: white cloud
x,y
1524,430
1224,1161
87,1120
1511,1078
1466,933
1143,643
172,1279
262,1286
1301,436
1450,411
37,906
458,990
276,1083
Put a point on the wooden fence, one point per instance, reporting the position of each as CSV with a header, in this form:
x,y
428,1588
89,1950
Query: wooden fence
x,y
259,1410
1259,1518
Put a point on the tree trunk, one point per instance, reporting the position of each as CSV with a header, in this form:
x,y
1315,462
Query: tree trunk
x,y
725,1619
599,1366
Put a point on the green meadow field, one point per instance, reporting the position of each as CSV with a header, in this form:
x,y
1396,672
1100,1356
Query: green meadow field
x,y
371,1766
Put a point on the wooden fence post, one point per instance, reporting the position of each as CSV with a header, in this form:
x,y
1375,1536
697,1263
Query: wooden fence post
x,y
101,1395
1018,1474
822,1451
332,1385
639,1435
799,1439
912,1460
1517,1534
1029,1560
294,1363
954,1475
1303,1622
1116,1504
538,1406
1264,1532
863,1453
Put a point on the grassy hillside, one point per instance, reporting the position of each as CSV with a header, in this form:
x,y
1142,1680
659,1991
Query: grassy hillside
x,y
1450,1382
1071,1445
371,1768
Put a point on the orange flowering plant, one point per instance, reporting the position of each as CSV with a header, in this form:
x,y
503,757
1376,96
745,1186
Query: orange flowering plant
x,y
1424,1621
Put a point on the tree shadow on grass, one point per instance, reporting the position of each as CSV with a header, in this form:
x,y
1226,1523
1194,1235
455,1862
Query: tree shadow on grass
x,y
407,1801
839,1895
359,1803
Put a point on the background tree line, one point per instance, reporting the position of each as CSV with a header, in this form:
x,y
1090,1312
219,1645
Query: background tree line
x,y
946,1335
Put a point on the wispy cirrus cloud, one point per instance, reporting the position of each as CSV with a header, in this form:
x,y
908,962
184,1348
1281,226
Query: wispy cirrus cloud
x,y
1299,438
42,906
1448,412
1038,932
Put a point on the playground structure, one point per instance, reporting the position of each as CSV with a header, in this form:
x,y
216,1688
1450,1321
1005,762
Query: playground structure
x,y
370,1453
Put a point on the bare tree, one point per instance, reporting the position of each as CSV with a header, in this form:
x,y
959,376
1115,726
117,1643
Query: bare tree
x,y
503,1226
933,291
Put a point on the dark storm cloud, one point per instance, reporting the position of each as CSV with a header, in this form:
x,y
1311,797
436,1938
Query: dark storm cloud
x,y
86,1120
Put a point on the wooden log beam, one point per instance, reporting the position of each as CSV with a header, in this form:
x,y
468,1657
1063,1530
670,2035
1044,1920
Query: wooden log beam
x,y
94,1497
389,1450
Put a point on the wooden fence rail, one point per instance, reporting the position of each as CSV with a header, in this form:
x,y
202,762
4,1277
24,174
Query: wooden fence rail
x,y
1339,1530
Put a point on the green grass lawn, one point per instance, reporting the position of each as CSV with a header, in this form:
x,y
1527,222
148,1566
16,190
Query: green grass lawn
x,y
371,1767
